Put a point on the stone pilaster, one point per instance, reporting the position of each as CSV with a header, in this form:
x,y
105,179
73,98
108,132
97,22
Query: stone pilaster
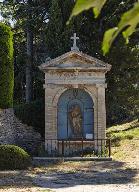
x,y
101,112
50,113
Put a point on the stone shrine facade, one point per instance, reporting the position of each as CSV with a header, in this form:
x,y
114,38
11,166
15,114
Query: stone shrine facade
x,y
75,96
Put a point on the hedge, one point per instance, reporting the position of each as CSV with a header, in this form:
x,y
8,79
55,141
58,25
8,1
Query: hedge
x,y
6,66
32,114
13,157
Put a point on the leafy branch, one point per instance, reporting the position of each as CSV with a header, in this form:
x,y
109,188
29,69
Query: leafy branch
x,y
127,24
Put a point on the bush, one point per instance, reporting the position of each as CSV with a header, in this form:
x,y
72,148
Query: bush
x,y
32,114
13,157
6,67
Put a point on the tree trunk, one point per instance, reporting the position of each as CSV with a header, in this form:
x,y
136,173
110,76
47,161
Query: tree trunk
x,y
29,84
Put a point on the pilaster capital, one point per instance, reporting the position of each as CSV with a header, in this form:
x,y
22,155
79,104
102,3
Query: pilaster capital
x,y
101,85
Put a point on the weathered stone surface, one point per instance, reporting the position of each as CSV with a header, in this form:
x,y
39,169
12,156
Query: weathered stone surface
x,y
13,131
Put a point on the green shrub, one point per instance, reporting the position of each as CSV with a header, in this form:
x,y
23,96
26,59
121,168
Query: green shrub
x,y
32,114
13,157
6,67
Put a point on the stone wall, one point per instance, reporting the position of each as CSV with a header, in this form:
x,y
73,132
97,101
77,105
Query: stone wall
x,y
12,131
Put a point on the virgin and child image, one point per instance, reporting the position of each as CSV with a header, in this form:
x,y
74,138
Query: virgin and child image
x,y
75,118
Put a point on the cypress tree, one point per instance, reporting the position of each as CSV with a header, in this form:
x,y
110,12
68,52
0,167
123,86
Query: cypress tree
x,y
6,67
58,33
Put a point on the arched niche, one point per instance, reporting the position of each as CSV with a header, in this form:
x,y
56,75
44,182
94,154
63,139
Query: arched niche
x,y
75,110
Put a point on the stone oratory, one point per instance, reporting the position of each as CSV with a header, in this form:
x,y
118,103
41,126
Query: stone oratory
x,y
75,96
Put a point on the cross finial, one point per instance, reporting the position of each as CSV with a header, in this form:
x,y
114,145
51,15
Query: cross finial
x,y
74,38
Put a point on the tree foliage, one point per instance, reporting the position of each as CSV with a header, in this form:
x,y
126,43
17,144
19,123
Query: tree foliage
x,y
82,5
127,24
28,20
123,92
56,30
6,67
32,114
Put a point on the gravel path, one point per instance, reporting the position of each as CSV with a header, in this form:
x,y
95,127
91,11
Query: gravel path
x,y
77,183
99,177
100,188
74,177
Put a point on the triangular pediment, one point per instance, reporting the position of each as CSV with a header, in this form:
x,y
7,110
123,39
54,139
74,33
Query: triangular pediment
x,y
75,60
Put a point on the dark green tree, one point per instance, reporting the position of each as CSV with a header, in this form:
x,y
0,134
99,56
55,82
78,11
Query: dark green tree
x,y
123,92
29,17
6,67
57,32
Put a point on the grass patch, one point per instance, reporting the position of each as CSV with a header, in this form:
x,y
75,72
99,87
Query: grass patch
x,y
125,141
128,151
123,127
126,131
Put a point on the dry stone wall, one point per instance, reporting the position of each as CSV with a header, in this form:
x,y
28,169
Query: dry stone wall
x,y
7,132
13,131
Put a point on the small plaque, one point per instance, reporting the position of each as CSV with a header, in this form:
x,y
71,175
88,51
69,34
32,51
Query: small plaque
x,y
89,136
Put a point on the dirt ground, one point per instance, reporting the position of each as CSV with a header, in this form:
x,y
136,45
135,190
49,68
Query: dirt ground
x,y
121,174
